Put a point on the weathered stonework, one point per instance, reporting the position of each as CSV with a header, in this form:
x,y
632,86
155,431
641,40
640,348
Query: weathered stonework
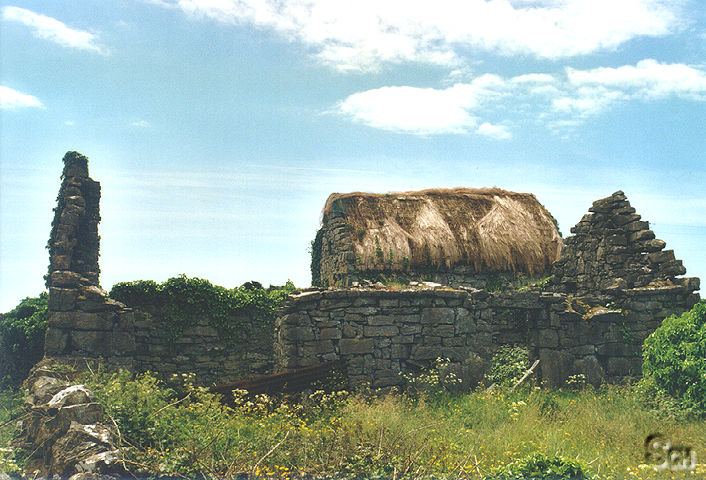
x,y
612,260
613,249
382,334
82,320
65,432
201,349
84,323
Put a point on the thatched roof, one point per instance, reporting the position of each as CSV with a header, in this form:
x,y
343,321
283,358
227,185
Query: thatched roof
x,y
490,229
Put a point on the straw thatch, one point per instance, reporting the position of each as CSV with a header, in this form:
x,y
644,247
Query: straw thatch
x,y
489,229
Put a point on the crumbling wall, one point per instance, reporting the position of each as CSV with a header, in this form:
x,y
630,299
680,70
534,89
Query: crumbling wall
x,y
613,249
82,321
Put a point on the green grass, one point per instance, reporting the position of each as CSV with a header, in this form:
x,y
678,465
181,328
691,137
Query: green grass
x,y
184,429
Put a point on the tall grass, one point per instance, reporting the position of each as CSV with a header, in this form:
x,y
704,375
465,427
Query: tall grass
x,y
184,429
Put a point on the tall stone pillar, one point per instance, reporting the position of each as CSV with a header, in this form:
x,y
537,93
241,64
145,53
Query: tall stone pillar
x,y
82,320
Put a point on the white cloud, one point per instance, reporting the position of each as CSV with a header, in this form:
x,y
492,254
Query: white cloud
x,y
10,99
648,78
423,111
499,132
141,124
364,34
561,100
51,29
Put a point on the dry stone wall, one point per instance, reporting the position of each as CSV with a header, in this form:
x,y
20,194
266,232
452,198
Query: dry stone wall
x,y
201,349
613,249
382,334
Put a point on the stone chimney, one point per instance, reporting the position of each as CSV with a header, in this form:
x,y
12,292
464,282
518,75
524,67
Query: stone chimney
x,y
82,320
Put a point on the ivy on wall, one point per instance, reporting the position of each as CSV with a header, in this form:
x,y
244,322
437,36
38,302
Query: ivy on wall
x,y
316,258
182,301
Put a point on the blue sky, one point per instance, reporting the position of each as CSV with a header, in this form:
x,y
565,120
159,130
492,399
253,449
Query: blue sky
x,y
218,128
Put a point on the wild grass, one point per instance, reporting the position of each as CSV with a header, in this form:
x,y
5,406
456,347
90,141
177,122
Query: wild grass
x,y
183,429
186,430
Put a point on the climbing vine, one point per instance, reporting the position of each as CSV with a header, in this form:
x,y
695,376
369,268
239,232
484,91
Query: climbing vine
x,y
316,258
182,300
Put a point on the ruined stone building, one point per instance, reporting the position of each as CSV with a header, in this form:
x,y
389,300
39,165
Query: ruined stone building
x,y
611,285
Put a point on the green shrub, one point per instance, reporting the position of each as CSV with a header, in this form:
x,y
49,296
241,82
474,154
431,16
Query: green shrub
x,y
508,365
540,467
674,360
22,339
436,380
182,300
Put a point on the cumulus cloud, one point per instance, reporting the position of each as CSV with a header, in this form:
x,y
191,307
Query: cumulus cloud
x,y
141,124
11,99
423,111
51,29
365,34
562,99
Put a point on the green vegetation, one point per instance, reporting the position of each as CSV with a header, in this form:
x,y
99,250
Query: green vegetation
x,y
540,467
10,409
508,365
315,251
674,367
183,299
22,339
180,429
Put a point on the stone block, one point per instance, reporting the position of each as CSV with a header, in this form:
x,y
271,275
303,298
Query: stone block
x,y
330,334
453,342
672,268
426,352
555,366
447,331
122,343
435,316
617,349
80,321
548,338
400,351
65,278
619,367
591,368
661,257
56,341
62,299
388,303
379,320
356,346
92,343
381,331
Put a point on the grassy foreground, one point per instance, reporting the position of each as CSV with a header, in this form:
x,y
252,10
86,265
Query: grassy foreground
x,y
183,430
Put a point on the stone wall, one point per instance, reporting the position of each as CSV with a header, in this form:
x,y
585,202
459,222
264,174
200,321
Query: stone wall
x,y
611,249
201,349
380,334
